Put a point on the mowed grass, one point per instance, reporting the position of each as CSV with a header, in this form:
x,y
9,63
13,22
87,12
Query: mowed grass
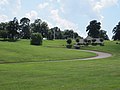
x,y
100,74
22,51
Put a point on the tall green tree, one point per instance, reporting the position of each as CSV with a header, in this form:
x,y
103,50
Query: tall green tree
x,y
36,26
25,27
44,29
50,35
13,29
93,29
57,33
116,32
103,34
3,30
69,34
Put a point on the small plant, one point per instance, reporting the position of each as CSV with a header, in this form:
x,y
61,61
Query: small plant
x,y
77,40
101,40
69,41
36,39
93,40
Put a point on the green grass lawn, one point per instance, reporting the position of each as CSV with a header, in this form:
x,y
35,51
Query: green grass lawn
x,y
22,51
100,74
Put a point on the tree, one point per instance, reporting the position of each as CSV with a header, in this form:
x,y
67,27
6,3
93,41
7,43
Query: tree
x,y
93,29
116,32
13,29
25,27
68,34
44,29
36,26
50,35
103,34
40,27
3,30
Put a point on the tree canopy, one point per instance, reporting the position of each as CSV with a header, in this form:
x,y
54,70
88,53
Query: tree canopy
x,y
116,32
14,30
93,28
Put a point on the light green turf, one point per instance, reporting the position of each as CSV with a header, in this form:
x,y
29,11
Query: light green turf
x,y
101,74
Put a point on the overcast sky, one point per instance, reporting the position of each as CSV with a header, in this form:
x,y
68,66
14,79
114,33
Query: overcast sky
x,y
66,14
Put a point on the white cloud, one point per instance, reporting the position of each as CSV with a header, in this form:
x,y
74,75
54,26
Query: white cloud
x,y
43,5
101,4
63,23
17,7
18,4
3,18
3,2
90,8
32,15
98,5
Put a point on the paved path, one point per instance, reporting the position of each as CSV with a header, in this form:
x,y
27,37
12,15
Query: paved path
x,y
100,55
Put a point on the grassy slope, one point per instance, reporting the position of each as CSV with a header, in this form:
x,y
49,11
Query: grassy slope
x,y
102,74
21,51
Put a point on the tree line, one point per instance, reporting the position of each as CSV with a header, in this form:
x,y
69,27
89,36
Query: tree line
x,y
94,30
14,30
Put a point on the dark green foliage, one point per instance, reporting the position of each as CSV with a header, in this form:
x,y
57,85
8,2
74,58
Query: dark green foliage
x,y
40,27
25,27
50,35
69,41
16,30
3,34
93,40
36,39
69,46
116,32
93,29
13,28
77,40
101,40
103,34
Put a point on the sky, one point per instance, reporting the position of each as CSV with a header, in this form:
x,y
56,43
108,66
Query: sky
x,y
65,14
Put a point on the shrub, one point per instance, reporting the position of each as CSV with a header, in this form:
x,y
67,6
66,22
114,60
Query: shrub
x,y
77,40
101,40
69,46
69,41
85,40
94,44
93,40
36,39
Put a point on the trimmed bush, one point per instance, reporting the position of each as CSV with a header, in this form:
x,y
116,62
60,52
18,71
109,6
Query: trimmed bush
x,y
101,40
36,39
93,40
68,46
77,40
69,41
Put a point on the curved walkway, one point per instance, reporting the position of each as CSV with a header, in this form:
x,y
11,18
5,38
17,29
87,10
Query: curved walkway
x,y
100,55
